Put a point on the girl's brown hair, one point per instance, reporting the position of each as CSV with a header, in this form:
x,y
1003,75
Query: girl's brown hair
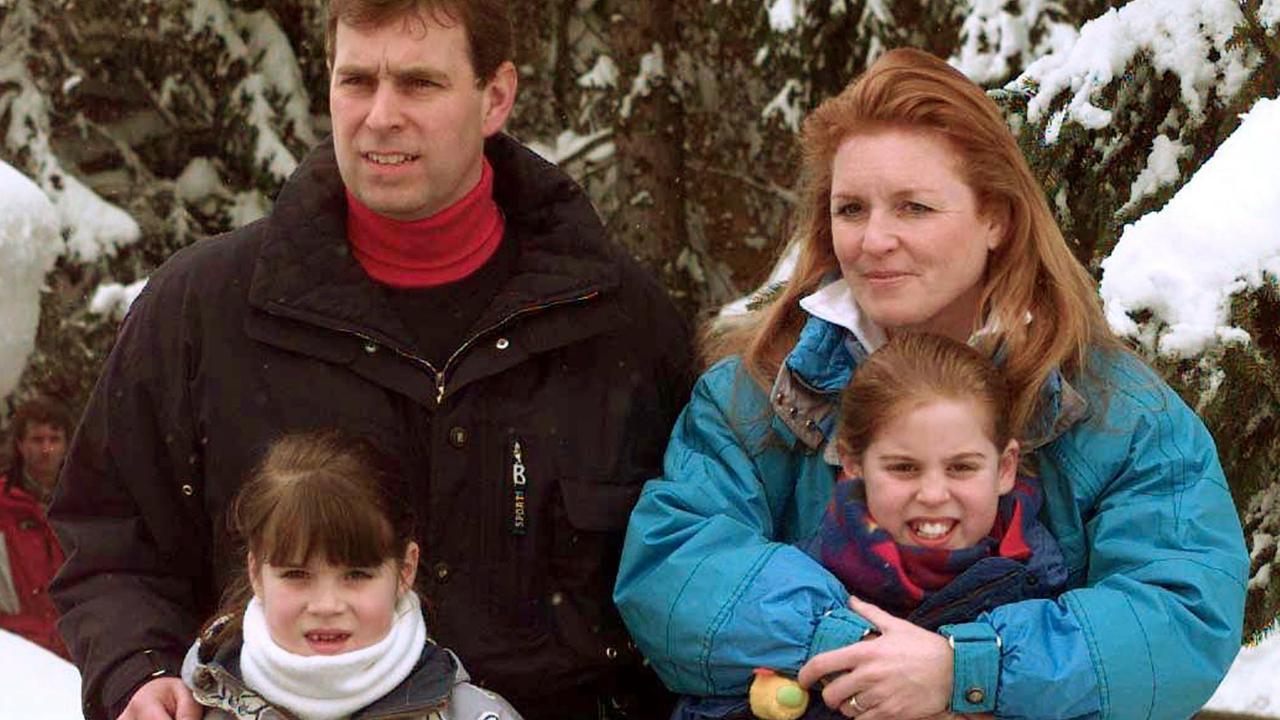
x,y
1032,274
911,370
324,493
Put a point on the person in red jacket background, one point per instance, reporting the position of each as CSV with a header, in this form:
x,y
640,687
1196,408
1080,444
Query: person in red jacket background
x,y
29,553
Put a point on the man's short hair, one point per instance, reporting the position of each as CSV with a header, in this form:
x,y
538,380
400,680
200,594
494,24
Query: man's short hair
x,y
490,36
39,410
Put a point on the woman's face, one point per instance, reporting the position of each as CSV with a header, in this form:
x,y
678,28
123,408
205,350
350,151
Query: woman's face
x,y
908,232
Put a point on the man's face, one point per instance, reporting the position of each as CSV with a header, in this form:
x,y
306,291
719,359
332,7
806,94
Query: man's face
x,y
409,118
42,448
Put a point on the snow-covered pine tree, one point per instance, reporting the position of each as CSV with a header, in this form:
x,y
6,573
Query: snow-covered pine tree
x,y
1115,126
188,114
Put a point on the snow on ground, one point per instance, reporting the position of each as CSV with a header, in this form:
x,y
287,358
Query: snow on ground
x,y
29,245
35,684
1219,235
1253,685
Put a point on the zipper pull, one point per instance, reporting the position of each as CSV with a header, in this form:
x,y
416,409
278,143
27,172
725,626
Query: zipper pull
x,y
439,387
519,487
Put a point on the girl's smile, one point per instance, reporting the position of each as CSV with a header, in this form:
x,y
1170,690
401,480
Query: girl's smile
x,y
933,476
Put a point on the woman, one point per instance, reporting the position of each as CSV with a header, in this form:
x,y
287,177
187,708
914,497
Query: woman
x,y
918,212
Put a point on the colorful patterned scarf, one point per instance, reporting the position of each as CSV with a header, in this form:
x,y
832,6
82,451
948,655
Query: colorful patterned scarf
x,y
898,578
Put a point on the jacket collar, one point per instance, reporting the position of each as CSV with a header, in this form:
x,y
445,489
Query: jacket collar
x,y
835,339
13,485
216,683
305,269
835,303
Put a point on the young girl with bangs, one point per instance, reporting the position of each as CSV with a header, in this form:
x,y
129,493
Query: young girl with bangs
x,y
324,623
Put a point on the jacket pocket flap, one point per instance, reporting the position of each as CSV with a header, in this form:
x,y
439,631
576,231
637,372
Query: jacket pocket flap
x,y
597,506
326,345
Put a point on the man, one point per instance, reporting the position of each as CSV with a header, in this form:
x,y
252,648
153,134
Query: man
x,y
423,280
29,552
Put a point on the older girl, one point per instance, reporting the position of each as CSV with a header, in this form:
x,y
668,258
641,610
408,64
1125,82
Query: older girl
x,y
918,212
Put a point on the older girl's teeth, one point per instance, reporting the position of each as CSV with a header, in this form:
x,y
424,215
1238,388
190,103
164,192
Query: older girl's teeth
x,y
930,530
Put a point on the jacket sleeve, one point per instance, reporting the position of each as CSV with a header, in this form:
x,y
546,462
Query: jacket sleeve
x,y
1160,616
125,514
705,590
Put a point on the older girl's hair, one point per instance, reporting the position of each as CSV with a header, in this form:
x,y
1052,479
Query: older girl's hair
x,y
325,494
1031,275
914,369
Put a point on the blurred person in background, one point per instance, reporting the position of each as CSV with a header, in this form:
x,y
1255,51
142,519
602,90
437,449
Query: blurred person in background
x,y
29,552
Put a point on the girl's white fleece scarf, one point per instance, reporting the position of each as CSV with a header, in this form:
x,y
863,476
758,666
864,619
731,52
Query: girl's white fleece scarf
x,y
327,687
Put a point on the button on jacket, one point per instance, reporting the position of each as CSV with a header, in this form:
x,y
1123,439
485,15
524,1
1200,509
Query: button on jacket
x,y
527,448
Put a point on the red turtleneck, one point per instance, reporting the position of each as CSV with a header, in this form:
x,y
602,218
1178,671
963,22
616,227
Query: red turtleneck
x,y
435,250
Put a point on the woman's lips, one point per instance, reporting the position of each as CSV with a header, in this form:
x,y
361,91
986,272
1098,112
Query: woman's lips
x,y
884,278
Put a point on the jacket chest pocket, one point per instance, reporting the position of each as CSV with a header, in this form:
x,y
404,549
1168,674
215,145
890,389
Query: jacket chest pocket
x,y
592,522
551,542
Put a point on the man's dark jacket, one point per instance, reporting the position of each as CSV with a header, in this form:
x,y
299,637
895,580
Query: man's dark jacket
x,y
527,449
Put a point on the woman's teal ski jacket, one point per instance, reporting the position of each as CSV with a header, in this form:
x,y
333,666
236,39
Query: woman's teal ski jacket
x,y
712,585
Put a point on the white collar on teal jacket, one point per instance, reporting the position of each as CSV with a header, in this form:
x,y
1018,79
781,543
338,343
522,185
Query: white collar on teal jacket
x,y
834,302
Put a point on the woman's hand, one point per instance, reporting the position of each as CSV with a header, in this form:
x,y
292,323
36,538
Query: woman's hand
x,y
904,673
165,698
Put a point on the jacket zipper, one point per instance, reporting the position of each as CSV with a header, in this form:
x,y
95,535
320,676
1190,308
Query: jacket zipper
x,y
429,711
441,374
942,609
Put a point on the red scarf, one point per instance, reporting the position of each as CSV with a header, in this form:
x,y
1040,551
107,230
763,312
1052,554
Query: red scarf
x,y
435,250
898,578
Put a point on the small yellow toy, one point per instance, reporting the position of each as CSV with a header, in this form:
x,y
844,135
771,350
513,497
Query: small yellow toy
x,y
776,697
